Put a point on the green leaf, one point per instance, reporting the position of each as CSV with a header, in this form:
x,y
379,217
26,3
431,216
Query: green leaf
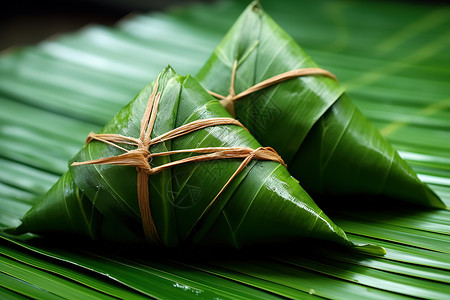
x,y
263,204
45,281
329,146
81,276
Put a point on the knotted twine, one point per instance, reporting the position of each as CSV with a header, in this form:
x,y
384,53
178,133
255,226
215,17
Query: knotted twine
x,y
140,157
228,101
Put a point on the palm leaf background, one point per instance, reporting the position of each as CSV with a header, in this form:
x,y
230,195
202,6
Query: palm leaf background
x,y
394,60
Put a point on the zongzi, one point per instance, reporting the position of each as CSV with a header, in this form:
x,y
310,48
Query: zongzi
x,y
288,103
173,168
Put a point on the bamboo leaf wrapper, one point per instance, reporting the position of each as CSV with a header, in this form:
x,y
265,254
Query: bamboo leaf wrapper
x,y
263,203
328,145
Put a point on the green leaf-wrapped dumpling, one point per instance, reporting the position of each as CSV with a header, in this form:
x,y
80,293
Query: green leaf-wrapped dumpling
x,y
262,203
328,145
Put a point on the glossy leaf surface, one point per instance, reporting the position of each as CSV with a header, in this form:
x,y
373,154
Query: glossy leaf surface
x,y
329,146
263,203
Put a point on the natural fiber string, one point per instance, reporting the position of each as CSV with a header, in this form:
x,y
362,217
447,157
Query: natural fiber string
x,y
140,156
228,101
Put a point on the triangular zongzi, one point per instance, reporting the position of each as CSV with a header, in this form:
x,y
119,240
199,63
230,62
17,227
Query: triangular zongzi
x,y
328,145
262,203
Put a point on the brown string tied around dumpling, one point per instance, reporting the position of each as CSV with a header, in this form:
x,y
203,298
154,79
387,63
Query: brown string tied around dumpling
x,y
228,101
141,156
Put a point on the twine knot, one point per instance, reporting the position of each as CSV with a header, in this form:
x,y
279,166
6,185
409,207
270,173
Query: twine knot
x,y
228,101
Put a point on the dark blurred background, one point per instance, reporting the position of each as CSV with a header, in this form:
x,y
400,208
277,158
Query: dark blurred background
x,y
24,22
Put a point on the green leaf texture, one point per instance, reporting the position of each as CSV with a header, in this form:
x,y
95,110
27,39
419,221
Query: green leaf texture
x,y
328,144
392,58
262,204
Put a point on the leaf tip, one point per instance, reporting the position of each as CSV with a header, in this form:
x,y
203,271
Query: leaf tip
x,y
370,249
256,6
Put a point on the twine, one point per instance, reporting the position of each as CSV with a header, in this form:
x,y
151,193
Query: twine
x,y
228,101
140,157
